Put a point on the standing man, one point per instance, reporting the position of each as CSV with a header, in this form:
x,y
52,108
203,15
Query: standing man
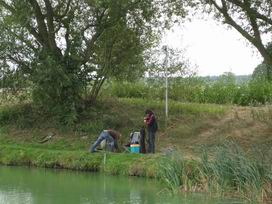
x,y
111,137
152,127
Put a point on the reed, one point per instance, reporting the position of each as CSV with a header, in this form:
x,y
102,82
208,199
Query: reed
x,y
231,170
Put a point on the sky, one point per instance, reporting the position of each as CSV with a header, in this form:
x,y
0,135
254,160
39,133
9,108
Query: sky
x,y
213,48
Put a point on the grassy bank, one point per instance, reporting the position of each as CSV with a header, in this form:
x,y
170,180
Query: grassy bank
x,y
23,124
230,172
233,169
120,164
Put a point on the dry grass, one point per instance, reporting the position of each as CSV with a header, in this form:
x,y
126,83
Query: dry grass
x,y
238,124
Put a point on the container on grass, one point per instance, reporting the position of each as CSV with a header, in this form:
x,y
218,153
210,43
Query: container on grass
x,y
135,148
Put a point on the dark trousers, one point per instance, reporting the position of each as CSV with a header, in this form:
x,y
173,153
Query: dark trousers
x,y
142,141
151,141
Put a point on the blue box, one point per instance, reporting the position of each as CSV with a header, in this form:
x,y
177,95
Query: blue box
x,y
135,148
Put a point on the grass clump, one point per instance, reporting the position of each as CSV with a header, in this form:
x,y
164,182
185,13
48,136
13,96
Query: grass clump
x,y
180,174
230,170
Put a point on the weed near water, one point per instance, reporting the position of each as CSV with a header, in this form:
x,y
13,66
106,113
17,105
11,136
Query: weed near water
x,y
231,170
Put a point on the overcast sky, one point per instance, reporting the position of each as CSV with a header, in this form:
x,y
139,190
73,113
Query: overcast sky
x,y
214,48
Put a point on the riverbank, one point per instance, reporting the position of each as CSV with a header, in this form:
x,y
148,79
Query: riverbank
x,y
111,163
203,147
230,172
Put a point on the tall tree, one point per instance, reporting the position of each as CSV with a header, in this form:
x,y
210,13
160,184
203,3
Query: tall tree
x,y
251,18
63,46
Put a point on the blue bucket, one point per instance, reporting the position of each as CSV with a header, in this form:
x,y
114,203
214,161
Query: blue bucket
x,y
135,148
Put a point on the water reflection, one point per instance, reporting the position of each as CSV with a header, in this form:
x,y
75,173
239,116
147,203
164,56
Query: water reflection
x,y
12,197
38,186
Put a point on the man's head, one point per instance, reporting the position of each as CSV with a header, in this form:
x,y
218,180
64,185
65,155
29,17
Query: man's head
x,y
148,111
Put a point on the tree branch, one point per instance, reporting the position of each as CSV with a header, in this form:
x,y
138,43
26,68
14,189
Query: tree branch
x,y
60,16
50,23
229,20
49,17
90,45
6,6
40,21
26,42
30,29
252,18
252,10
256,39
19,63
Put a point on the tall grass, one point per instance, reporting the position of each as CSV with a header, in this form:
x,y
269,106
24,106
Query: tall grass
x,y
223,91
229,171
171,170
180,174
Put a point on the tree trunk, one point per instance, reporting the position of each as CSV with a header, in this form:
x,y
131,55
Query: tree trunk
x,y
268,63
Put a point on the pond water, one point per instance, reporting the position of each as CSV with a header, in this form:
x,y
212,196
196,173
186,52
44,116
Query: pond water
x,y
20,185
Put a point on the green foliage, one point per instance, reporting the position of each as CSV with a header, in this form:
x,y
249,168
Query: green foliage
x,y
224,90
67,49
129,90
59,88
180,174
260,72
21,115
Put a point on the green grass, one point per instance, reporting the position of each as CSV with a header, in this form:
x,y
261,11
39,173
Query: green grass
x,y
110,163
27,125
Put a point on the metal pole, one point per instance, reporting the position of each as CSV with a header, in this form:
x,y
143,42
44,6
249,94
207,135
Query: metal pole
x,y
166,81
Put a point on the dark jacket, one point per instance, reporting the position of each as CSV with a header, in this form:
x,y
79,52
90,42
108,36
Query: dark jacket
x,y
151,122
